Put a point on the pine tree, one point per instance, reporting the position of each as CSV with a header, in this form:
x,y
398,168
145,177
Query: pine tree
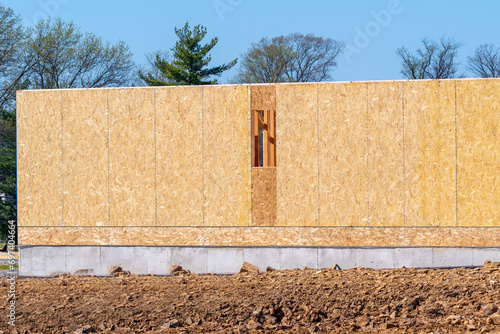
x,y
8,191
190,61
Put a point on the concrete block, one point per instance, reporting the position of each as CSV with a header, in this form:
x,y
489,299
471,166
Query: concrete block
x,y
262,257
413,257
224,260
157,259
452,257
190,258
25,260
377,258
82,257
122,256
344,257
479,255
47,260
292,258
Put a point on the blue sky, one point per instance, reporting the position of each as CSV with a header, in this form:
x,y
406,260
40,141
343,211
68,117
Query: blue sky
x,y
373,30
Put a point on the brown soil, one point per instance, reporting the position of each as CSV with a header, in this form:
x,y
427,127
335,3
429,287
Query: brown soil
x,y
291,301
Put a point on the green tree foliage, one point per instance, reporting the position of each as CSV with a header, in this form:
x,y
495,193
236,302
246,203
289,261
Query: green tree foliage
x,y
61,56
153,73
8,194
190,61
12,41
436,60
291,58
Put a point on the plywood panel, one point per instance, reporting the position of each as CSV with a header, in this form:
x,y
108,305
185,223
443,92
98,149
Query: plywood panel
x,y
179,170
263,97
264,197
39,158
452,237
85,157
353,237
263,236
156,236
132,157
385,154
401,236
430,155
297,154
253,236
226,155
64,236
478,150
343,174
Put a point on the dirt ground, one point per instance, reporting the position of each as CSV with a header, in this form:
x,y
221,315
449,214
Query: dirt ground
x,y
291,301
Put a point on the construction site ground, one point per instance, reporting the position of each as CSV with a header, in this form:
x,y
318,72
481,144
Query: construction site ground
x,y
292,301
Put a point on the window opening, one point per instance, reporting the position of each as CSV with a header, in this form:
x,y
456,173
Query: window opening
x,y
263,138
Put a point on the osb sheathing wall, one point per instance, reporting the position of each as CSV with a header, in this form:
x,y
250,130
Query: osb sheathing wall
x,y
131,157
385,154
226,156
264,196
478,152
297,154
85,153
39,159
430,162
179,171
343,147
412,163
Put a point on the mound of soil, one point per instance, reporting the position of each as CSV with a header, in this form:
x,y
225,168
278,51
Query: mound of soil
x,y
290,301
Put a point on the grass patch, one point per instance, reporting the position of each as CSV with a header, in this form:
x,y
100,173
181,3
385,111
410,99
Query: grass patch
x,y
2,245
7,266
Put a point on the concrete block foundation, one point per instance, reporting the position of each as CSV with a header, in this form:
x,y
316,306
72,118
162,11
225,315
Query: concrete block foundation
x,y
48,260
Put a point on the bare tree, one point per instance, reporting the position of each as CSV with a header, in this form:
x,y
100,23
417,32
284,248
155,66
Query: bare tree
x,y
265,61
486,61
315,57
12,39
436,60
291,58
63,57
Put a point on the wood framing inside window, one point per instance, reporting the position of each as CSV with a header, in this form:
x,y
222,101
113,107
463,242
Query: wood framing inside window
x,y
264,131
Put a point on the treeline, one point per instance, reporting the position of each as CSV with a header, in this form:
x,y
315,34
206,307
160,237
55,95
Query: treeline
x,y
438,60
57,54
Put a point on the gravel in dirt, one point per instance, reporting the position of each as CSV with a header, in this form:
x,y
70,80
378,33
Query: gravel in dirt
x,y
290,301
